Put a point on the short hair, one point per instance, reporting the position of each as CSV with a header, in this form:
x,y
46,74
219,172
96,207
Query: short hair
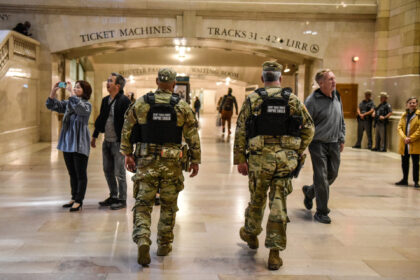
x,y
411,98
321,74
229,90
368,91
87,89
271,76
119,80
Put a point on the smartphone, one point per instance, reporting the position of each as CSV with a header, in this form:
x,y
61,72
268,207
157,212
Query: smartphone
x,y
62,84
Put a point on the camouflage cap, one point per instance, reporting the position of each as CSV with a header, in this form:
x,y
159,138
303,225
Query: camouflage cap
x,y
166,75
383,94
272,66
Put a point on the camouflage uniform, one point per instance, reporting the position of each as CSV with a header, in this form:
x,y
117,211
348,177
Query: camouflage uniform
x,y
158,167
271,160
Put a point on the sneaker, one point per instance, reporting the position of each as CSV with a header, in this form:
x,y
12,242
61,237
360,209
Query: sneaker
x,y
357,147
143,254
164,250
402,183
120,204
307,201
108,202
251,240
322,218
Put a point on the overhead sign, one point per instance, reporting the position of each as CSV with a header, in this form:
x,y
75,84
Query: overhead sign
x,y
92,30
287,35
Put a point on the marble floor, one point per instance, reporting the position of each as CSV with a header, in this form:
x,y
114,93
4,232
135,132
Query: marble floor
x,y
375,230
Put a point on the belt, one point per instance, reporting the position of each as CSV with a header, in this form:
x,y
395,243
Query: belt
x,y
272,140
154,149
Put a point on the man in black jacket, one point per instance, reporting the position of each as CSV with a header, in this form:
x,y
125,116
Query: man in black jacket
x,y
110,122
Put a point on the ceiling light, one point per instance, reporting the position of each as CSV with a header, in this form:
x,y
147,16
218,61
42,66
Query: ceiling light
x,y
355,59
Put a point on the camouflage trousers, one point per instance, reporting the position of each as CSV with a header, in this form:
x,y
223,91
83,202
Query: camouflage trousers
x,y
153,174
269,170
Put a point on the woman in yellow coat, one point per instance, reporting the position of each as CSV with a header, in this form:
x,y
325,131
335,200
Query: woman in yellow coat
x,y
409,130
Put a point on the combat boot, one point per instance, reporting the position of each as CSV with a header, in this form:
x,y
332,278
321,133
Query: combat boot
x,y
164,250
251,240
143,255
274,260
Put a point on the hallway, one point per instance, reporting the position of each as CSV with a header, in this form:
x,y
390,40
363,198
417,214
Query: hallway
x,y
375,230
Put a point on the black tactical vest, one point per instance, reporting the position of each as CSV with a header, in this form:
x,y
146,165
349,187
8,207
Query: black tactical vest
x,y
161,126
275,118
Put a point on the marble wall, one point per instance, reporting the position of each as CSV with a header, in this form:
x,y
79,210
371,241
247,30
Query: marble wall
x,y
397,56
19,108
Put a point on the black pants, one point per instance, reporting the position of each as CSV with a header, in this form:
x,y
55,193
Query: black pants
x,y
325,162
364,125
405,159
77,167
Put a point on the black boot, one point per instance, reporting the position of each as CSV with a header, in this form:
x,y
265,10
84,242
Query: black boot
x,y
402,183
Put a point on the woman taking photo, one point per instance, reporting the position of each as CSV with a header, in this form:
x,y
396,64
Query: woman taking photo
x,y
409,130
74,139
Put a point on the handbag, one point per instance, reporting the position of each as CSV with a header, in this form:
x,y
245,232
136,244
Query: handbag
x,y
219,120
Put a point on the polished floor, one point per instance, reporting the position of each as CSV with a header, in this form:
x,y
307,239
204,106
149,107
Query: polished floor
x,y
375,233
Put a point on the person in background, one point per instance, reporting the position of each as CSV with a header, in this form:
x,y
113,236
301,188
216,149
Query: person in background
x,y
74,137
226,109
219,102
381,116
132,97
197,106
409,130
364,120
110,122
23,28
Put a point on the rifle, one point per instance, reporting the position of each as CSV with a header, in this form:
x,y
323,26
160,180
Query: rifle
x,y
301,163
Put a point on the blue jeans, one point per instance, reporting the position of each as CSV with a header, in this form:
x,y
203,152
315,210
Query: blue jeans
x,y
113,165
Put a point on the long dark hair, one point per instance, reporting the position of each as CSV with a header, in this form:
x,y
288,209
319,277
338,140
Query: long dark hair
x,y
87,89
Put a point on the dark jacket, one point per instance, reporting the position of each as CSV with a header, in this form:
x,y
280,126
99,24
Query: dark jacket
x,y
121,105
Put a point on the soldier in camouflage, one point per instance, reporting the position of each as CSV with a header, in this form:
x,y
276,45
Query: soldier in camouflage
x,y
164,119
273,129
